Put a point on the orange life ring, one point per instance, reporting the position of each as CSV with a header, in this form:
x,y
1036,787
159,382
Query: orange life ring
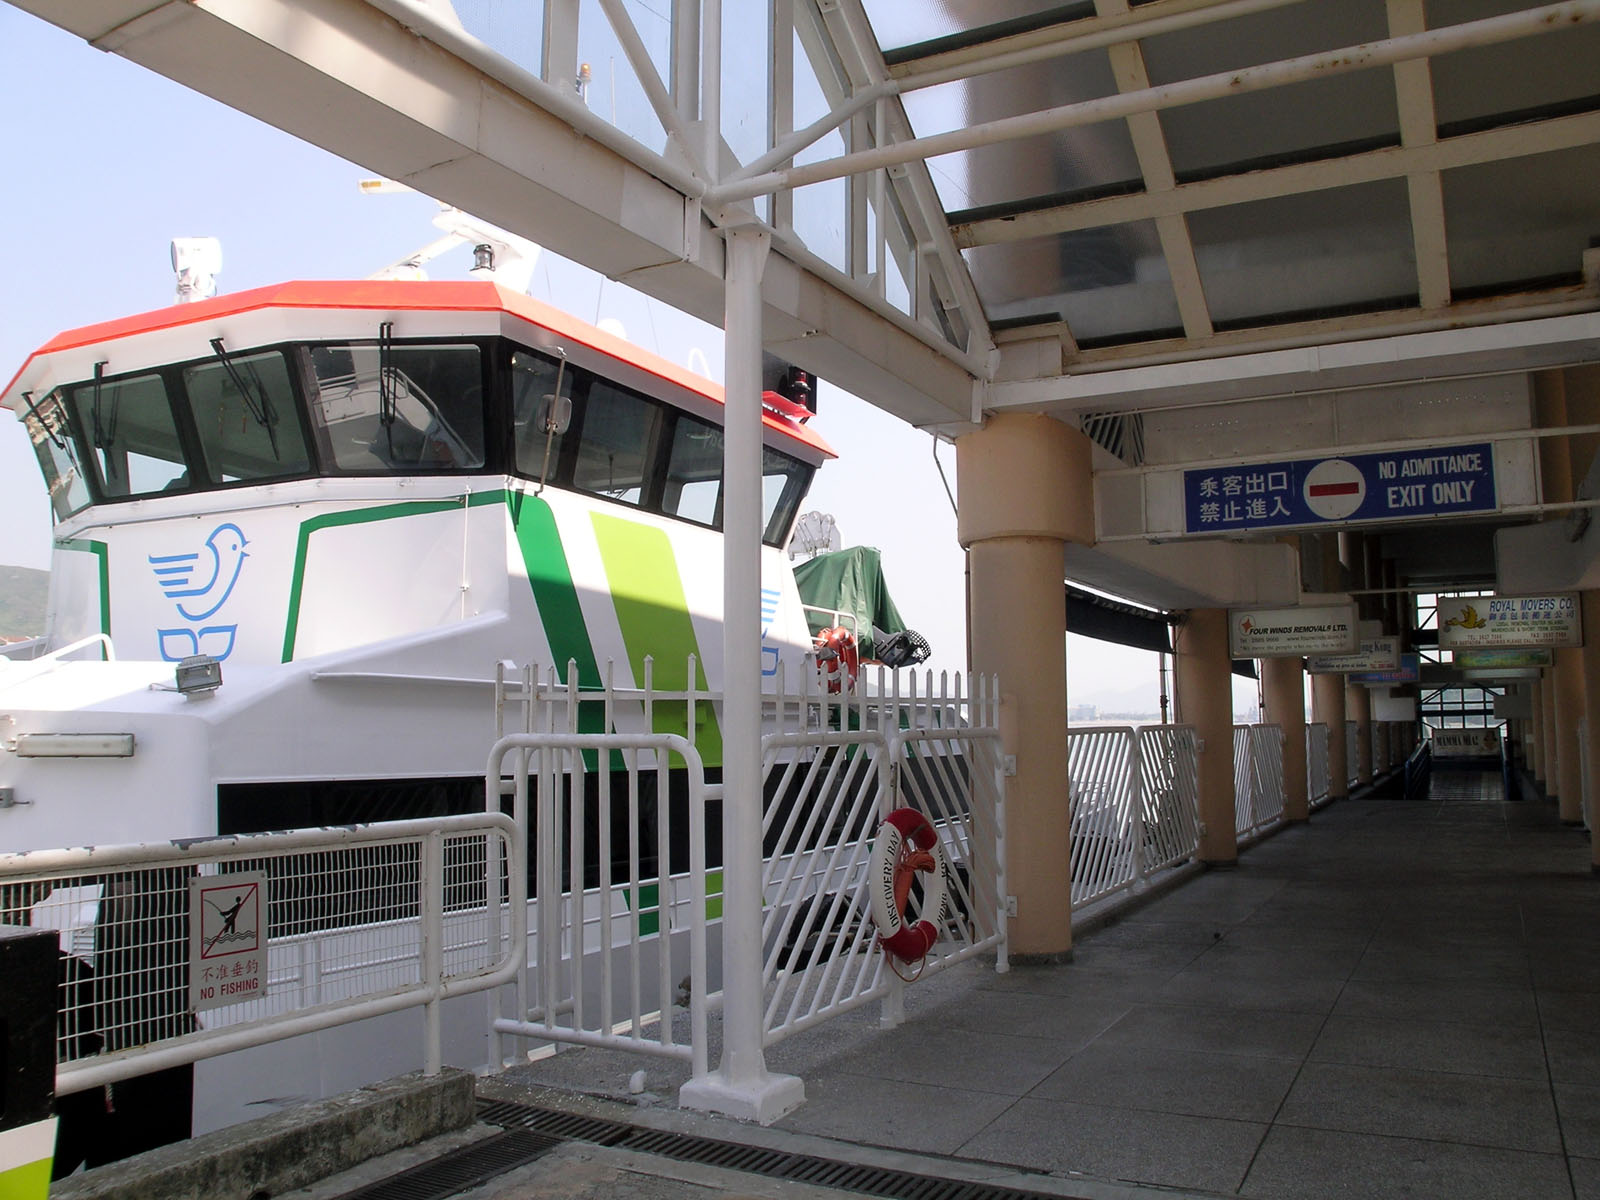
x,y
906,843
838,658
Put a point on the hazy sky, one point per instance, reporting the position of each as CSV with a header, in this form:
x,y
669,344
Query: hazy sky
x,y
110,161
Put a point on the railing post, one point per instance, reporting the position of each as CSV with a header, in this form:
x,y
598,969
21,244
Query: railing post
x,y
430,896
1136,802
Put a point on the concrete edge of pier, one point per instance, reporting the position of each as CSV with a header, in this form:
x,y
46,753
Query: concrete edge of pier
x,y
288,1149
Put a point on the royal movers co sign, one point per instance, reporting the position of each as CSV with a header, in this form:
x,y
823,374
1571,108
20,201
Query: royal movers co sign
x,y
1471,622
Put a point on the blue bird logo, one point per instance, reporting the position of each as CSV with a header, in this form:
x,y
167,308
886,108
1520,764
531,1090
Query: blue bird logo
x,y
201,582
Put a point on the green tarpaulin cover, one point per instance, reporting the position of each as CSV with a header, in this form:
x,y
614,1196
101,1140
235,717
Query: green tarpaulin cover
x,y
849,582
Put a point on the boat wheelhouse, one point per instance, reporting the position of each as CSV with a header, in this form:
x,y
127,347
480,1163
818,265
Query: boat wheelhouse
x,y
354,498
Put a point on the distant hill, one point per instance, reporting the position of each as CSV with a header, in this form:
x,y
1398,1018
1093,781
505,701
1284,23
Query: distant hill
x,y
22,601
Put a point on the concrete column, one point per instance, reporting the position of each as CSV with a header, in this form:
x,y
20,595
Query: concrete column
x,y
1327,707
1568,687
1026,490
1549,745
1536,731
1358,704
1205,700
1284,682
1590,598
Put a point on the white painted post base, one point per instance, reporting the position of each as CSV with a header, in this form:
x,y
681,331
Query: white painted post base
x,y
761,1100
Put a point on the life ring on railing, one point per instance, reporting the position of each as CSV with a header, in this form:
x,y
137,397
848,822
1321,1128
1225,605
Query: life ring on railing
x,y
907,843
838,658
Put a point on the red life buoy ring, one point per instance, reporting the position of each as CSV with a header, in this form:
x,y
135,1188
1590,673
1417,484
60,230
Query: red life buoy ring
x,y
838,658
906,843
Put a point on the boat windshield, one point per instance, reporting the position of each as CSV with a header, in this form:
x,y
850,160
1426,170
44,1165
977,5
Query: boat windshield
x,y
57,451
380,407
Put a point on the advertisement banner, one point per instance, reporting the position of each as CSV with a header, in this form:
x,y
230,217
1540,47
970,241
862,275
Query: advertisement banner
x,y
1376,654
1473,622
1409,671
1292,632
1503,660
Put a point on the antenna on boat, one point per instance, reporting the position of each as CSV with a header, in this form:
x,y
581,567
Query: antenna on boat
x,y
196,262
498,254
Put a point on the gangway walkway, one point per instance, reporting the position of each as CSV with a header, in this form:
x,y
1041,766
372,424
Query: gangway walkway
x,y
1399,998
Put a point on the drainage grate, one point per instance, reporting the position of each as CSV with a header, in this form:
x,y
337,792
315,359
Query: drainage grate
x,y
453,1173
775,1164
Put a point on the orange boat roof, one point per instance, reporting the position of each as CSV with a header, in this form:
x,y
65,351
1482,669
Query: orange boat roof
x,y
409,295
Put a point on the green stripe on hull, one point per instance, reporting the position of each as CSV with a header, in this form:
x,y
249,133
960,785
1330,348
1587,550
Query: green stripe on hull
x,y
31,1181
653,613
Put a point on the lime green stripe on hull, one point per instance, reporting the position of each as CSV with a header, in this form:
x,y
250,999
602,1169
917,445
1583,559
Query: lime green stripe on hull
x,y
31,1181
653,613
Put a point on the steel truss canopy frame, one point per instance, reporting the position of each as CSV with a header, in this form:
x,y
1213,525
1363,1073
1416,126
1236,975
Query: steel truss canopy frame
x,y
1003,198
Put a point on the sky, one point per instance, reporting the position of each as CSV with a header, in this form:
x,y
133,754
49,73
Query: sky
x,y
109,162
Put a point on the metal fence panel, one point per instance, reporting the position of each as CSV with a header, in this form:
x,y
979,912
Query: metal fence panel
x,y
1171,794
356,922
1101,795
1317,777
1352,748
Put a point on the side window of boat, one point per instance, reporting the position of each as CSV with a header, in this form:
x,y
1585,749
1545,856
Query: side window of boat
x,y
541,419
398,408
693,488
57,450
784,481
245,413
133,439
618,436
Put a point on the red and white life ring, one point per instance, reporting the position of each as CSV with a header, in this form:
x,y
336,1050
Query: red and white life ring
x,y
907,843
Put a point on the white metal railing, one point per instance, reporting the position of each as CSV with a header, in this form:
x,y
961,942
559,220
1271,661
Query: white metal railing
x,y
349,923
619,919
1318,781
1135,800
827,791
1352,752
612,957
1258,791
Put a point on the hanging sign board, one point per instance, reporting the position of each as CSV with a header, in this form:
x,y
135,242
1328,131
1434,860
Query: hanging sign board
x,y
1454,742
1502,660
1376,654
1292,632
1399,485
227,939
1472,622
1409,671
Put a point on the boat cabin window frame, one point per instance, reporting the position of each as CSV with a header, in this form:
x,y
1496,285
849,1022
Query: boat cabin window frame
x,y
439,447
652,491
49,426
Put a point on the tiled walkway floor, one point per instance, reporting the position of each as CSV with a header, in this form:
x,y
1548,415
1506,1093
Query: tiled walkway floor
x,y
1400,999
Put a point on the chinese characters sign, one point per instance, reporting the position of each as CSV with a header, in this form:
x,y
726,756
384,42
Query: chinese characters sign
x,y
1470,622
1398,485
227,939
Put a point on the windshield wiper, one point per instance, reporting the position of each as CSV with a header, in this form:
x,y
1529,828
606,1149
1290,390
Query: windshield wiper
x,y
260,408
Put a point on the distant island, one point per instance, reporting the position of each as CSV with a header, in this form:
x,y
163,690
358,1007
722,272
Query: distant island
x,y
22,601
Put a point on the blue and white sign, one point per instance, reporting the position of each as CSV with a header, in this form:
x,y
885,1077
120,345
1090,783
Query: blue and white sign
x,y
1394,486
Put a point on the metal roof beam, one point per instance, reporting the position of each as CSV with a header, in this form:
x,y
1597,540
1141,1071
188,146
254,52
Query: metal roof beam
x,y
1326,64
1512,141
1413,85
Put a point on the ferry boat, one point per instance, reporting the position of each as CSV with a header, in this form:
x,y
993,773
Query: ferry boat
x,y
296,528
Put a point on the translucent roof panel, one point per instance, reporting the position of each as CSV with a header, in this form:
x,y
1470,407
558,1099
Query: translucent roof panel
x,y
1316,254
1530,73
1050,168
1284,122
1522,221
900,23
1109,284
